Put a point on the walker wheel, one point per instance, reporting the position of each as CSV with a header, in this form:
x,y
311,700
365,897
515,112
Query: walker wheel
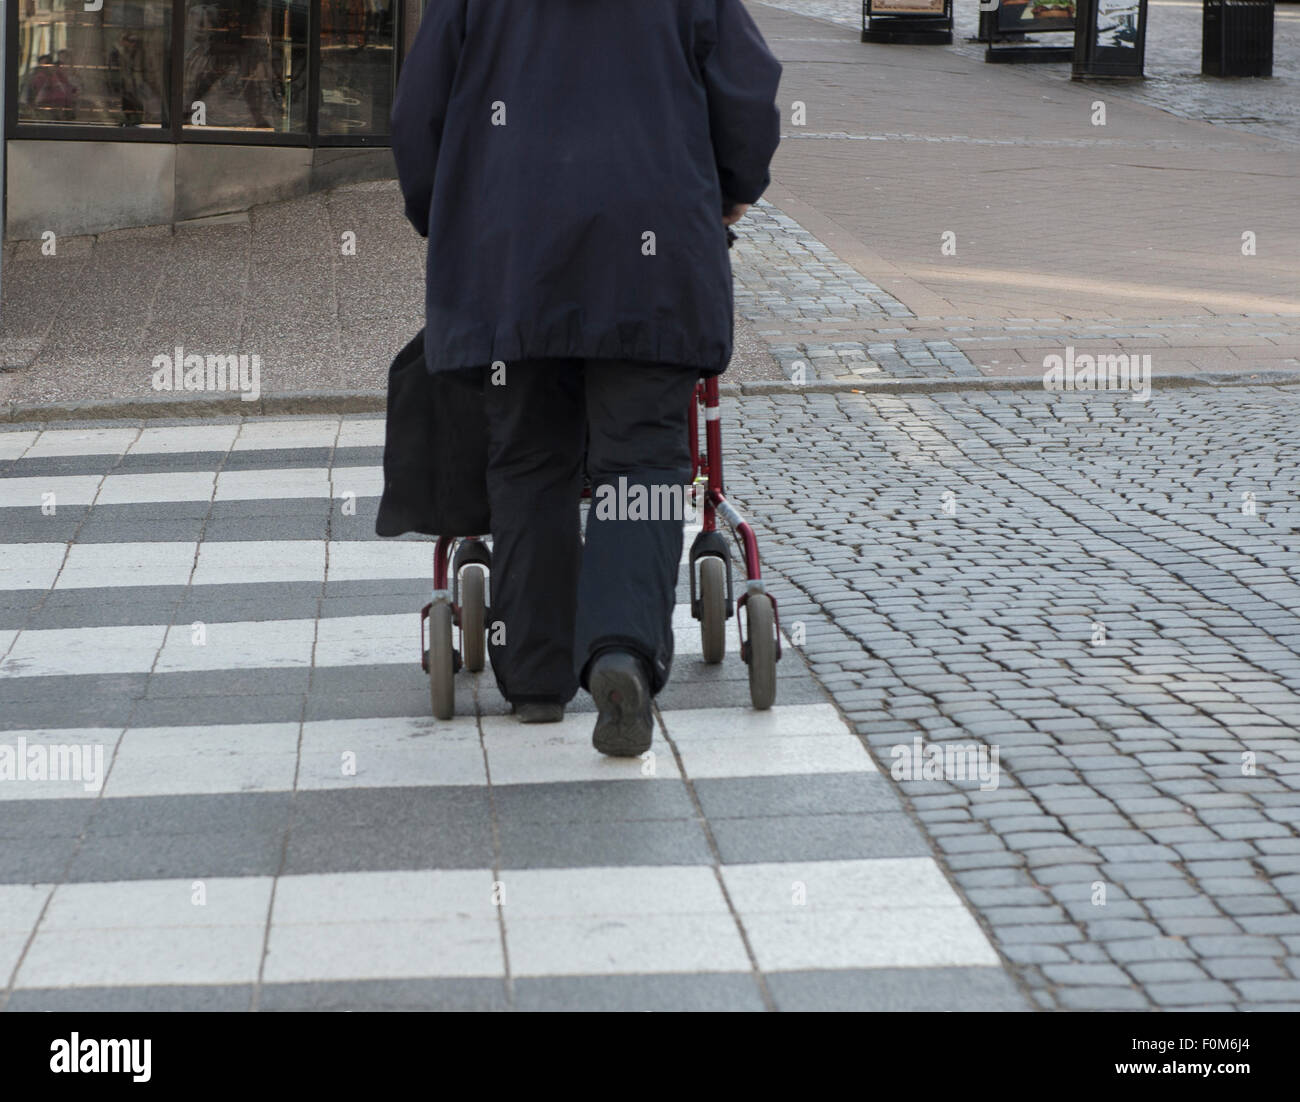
x,y
473,617
713,608
442,662
761,650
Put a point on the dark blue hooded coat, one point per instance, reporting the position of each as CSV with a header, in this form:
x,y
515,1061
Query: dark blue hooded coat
x,y
569,162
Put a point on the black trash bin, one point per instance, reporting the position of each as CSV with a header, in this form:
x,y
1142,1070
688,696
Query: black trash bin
x,y
1237,38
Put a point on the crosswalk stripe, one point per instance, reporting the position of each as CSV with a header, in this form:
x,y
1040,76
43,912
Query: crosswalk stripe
x,y
603,919
215,562
418,751
31,491
234,436
883,912
249,645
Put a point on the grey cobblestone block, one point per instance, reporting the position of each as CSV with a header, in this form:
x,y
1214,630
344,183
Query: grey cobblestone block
x,y
1167,971
1097,975
1103,839
1043,934
1106,929
1113,909
1176,994
1102,998
1170,836
1214,851
1194,927
1270,990
1054,856
1008,897
1285,923
1173,887
1038,839
1148,949
972,844
1237,946
1030,953
1250,905
1194,906
1050,875
961,862
1244,968
1088,952
1022,915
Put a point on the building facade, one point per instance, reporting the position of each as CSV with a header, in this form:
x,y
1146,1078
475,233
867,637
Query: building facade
x,y
139,112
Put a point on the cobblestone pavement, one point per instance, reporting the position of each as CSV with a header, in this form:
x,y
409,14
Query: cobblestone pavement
x,y
1095,602
1173,63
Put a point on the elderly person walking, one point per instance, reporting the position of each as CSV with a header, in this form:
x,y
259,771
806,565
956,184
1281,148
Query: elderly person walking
x,y
574,164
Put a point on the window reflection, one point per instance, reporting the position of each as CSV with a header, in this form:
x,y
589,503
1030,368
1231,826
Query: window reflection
x,y
246,65
356,66
101,68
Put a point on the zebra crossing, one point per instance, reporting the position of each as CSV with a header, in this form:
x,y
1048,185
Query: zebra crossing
x,y
280,822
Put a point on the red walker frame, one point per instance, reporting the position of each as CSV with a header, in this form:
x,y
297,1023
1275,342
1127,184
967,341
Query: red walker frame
x,y
706,475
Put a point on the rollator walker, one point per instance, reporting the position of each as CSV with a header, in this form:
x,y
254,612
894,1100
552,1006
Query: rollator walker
x,y
461,567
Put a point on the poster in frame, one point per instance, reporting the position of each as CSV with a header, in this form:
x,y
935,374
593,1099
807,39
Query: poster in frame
x,y
922,22
1034,16
906,7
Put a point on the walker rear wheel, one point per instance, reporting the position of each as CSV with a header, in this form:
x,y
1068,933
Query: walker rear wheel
x,y
713,608
761,650
442,662
473,616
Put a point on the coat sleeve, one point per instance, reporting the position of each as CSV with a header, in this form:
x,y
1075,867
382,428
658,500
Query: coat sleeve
x,y
741,78
420,106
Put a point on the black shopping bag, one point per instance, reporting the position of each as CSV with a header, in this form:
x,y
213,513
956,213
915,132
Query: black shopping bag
x,y
435,452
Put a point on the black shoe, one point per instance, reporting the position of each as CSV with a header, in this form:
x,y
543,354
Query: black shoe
x,y
621,690
539,711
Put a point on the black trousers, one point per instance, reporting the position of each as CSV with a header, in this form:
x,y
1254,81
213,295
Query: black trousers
x,y
555,600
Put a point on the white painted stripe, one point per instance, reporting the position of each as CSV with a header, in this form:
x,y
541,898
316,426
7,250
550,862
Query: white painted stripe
x,y
252,435
61,442
418,751
390,640
882,913
108,565
30,565
260,561
139,489
235,562
32,492
188,438
438,923
13,444
269,435
82,650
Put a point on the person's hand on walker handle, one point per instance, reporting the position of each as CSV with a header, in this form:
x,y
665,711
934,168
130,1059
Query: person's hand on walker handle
x,y
735,214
